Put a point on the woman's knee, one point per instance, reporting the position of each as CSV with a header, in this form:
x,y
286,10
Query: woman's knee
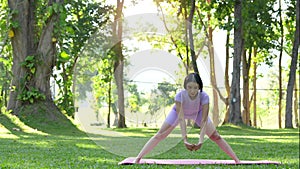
x,y
215,136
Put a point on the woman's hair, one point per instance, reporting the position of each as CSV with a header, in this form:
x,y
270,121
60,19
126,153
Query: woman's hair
x,y
193,77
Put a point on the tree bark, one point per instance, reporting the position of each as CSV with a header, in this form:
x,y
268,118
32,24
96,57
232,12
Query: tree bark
x,y
235,96
109,104
119,62
21,43
292,73
296,106
246,68
227,86
254,93
215,110
191,38
26,43
280,65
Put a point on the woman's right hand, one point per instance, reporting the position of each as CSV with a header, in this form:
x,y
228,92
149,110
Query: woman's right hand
x,y
189,146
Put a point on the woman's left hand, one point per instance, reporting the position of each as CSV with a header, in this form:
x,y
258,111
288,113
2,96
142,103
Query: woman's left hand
x,y
197,146
189,146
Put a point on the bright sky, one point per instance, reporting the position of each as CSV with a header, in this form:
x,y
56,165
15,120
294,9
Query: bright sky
x,y
143,6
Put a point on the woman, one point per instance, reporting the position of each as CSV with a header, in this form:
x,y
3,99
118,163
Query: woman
x,y
190,103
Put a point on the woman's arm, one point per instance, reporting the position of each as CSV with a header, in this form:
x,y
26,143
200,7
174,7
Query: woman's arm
x,y
183,126
181,121
205,110
202,126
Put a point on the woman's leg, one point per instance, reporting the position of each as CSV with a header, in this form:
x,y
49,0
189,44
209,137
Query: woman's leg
x,y
164,131
215,136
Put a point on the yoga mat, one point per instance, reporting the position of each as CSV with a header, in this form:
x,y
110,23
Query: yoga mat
x,y
129,161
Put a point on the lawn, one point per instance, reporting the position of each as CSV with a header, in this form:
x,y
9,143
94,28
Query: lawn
x,y
63,145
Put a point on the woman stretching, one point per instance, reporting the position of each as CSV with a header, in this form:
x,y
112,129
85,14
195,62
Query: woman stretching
x,y
190,103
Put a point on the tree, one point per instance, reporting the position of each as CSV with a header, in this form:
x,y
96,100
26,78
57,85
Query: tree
x,y
259,41
162,96
224,11
254,91
235,96
183,38
209,35
54,37
135,100
119,61
280,62
33,52
191,36
103,85
81,20
296,101
292,73
156,102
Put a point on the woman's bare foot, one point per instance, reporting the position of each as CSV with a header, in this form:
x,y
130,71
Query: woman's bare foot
x,y
137,161
237,161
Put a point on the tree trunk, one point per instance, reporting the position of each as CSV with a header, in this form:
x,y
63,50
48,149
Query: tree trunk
x,y
118,74
280,67
186,39
292,74
109,104
26,43
235,96
119,62
115,111
227,86
246,68
191,38
254,93
215,110
296,106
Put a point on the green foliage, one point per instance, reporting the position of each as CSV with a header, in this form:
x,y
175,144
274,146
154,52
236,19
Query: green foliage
x,y
79,21
168,90
161,97
135,100
156,102
258,25
223,13
103,87
5,52
29,64
29,93
289,22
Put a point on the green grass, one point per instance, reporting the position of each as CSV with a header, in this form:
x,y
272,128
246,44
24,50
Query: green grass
x,y
63,145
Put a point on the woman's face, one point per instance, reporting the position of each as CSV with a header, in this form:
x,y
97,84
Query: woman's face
x,y
192,89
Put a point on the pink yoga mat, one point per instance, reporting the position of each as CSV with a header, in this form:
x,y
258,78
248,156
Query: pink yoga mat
x,y
129,161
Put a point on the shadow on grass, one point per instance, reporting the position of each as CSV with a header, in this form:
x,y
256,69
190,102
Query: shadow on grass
x,y
66,146
45,117
11,126
24,148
